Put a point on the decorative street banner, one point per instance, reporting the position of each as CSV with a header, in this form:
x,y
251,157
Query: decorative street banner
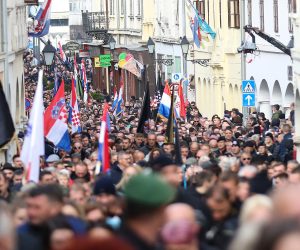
x,y
127,62
105,60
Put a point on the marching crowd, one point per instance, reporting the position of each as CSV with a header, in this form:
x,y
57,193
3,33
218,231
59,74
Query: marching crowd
x,y
238,187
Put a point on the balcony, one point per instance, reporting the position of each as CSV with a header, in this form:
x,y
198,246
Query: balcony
x,y
95,24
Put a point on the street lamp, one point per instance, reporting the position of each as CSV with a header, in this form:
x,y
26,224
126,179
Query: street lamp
x,y
151,48
151,45
112,43
184,46
49,52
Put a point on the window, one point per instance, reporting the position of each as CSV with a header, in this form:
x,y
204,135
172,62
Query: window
x,y
292,4
59,22
177,64
139,7
262,14
131,8
200,6
249,12
170,69
74,6
220,14
290,73
122,7
233,14
111,7
276,26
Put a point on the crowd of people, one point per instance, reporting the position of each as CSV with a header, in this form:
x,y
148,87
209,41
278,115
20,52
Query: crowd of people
x,y
237,188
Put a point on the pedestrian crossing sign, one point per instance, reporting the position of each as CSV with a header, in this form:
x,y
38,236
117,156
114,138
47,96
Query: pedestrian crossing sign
x,y
248,95
248,87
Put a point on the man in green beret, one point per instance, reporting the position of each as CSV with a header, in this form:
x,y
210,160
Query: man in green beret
x,y
146,197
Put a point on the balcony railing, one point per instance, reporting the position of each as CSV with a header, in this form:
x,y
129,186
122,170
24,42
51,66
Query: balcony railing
x,y
95,24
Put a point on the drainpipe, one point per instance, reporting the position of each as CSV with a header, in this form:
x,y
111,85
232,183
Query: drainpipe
x,y
245,110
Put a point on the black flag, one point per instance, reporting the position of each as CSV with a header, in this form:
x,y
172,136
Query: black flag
x,y
170,125
178,158
7,128
146,112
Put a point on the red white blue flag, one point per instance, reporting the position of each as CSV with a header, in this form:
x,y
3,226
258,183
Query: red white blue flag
x,y
84,79
55,121
75,115
114,104
103,149
62,53
41,22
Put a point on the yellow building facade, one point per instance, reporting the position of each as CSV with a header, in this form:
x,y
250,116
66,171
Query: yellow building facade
x,y
218,86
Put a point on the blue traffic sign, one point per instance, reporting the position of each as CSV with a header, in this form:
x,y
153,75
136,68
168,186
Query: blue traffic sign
x,y
248,90
248,99
248,86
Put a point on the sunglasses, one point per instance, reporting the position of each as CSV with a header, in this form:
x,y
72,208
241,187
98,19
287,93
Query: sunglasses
x,y
246,159
77,147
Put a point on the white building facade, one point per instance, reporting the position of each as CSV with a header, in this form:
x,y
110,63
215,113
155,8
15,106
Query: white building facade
x,y
268,66
167,30
13,42
295,15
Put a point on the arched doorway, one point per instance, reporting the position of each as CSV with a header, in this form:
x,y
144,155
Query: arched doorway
x,y
277,94
204,98
230,97
289,95
264,99
236,97
17,102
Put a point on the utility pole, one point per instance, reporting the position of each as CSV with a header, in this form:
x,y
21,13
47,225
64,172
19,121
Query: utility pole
x,y
107,18
183,33
243,55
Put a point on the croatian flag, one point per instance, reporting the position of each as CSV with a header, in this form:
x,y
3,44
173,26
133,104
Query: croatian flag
x,y
75,115
165,102
55,121
84,79
103,149
34,145
62,53
114,104
41,21
118,109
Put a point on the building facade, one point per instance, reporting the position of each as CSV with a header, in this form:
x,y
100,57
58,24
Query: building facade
x,y
295,15
218,86
13,42
274,84
164,23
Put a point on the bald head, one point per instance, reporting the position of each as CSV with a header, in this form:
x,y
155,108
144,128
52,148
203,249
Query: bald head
x,y
180,211
286,202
